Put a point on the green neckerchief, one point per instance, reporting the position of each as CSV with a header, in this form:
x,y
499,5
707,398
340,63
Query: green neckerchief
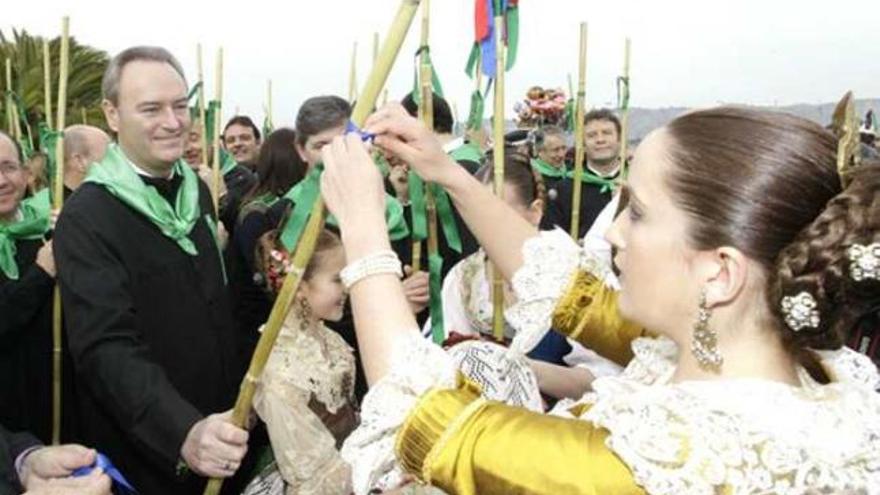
x,y
34,224
469,152
607,184
227,162
115,173
548,170
306,192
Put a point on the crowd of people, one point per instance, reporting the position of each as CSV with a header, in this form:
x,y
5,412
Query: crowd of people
x,y
711,326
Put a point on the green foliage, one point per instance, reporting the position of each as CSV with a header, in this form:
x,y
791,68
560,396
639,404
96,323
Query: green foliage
x,y
87,65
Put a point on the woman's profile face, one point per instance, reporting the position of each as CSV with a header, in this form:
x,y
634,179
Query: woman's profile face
x,y
658,289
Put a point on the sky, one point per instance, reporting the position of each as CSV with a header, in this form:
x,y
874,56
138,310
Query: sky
x,y
684,52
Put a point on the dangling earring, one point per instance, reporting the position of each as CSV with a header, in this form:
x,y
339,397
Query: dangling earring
x,y
303,313
704,342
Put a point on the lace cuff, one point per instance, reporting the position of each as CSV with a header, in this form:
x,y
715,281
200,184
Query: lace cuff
x,y
549,261
417,366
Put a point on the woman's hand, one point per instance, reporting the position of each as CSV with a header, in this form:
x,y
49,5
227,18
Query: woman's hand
x,y
352,184
405,137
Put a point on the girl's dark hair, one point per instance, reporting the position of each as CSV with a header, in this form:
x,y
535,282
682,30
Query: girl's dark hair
x,y
766,183
518,172
269,249
278,166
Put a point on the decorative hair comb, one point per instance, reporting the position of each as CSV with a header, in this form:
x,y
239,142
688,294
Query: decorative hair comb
x,y
846,128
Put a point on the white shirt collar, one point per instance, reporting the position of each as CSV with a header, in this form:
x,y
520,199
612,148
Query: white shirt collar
x,y
141,171
604,176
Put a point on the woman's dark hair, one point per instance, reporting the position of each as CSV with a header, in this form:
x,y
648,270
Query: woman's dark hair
x,y
518,172
278,165
766,183
319,113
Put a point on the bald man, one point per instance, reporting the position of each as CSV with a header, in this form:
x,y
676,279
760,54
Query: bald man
x,y
83,146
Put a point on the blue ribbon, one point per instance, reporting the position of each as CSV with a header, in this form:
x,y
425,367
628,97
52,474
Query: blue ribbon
x,y
350,128
103,462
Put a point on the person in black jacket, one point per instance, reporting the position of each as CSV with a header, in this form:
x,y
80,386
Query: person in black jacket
x,y
27,280
146,303
601,171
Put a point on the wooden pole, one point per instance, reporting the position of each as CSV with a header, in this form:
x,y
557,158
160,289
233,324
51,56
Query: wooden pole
x,y
10,126
12,107
352,75
83,116
218,95
306,246
47,84
498,168
424,40
58,198
269,104
579,135
624,118
203,123
375,47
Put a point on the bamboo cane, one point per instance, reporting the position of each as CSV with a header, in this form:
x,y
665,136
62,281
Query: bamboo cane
x,y
579,135
426,111
83,116
269,104
12,108
203,123
352,75
59,203
624,118
498,166
47,84
10,126
424,39
375,46
218,94
306,246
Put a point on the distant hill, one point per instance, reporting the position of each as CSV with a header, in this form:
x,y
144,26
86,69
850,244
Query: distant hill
x,y
644,120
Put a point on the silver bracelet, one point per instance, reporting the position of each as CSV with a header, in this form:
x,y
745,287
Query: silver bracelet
x,y
380,263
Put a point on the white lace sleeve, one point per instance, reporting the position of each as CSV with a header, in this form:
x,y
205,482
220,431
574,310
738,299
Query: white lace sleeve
x,y
454,317
549,261
595,242
305,450
417,366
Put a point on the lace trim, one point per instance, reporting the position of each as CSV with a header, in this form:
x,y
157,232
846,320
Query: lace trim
x,y
751,436
416,366
549,261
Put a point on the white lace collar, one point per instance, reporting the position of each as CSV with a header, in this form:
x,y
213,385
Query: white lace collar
x,y
750,435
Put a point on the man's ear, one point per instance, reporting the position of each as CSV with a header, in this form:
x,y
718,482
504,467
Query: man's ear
x,y
111,114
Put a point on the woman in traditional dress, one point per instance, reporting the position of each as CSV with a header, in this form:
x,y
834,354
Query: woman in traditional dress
x,y
742,247
306,392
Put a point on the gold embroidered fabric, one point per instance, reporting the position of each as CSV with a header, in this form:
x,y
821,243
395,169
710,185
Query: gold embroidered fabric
x,y
466,446
587,313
